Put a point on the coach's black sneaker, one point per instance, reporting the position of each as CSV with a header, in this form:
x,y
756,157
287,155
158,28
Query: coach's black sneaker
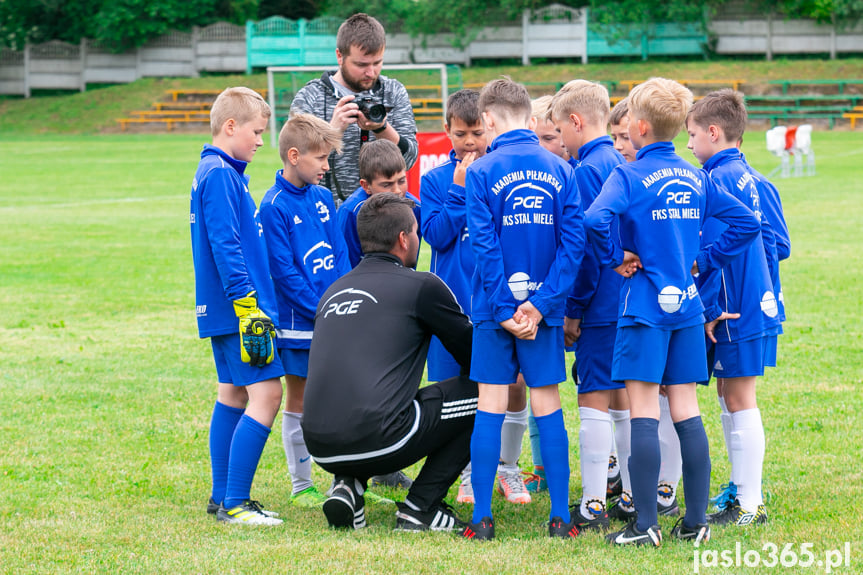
x,y
396,479
212,507
623,509
734,514
440,519
482,531
345,508
630,535
594,523
670,510
698,534
557,528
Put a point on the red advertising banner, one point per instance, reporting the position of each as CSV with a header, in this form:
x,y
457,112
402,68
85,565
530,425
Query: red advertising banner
x,y
433,150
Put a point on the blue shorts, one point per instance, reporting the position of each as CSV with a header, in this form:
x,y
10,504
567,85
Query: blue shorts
x,y
655,355
744,358
295,361
498,356
441,364
594,353
231,369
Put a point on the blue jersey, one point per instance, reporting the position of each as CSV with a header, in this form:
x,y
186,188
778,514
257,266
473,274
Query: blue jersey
x,y
347,219
771,209
662,201
307,254
596,294
444,227
228,247
743,285
526,227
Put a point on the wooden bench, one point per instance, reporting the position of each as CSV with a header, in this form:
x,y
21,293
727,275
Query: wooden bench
x,y
177,94
791,114
840,83
169,122
853,117
200,106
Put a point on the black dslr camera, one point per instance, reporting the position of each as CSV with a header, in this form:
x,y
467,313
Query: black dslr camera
x,y
372,107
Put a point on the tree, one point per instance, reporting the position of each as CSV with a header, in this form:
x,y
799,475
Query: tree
x,y
292,9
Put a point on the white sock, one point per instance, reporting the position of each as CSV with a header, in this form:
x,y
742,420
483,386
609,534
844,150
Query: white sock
x,y
748,445
299,460
512,436
594,441
465,474
622,437
671,463
727,428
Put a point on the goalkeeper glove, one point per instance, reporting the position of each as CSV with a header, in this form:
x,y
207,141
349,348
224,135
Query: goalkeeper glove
x,y
257,332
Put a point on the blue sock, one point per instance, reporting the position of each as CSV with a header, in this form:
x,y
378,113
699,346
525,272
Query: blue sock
x,y
644,469
535,449
555,454
222,424
695,452
246,448
484,456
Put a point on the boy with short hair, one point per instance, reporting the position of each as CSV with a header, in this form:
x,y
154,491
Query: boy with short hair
x,y
444,219
741,309
527,237
382,169
619,124
307,253
662,201
670,469
580,112
232,284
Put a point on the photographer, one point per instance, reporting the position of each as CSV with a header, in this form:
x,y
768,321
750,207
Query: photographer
x,y
359,102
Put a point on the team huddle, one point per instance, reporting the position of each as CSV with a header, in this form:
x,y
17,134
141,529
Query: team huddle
x,y
547,235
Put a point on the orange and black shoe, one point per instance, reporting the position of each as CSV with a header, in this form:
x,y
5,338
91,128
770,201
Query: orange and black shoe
x,y
482,531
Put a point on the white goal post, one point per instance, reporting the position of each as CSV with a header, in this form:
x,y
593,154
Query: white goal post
x,y
281,109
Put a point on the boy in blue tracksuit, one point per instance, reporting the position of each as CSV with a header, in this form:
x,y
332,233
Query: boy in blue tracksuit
x,y
662,202
232,286
527,236
745,344
306,253
580,111
382,169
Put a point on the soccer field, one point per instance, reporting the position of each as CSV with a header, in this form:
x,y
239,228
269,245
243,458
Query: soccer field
x,y
107,391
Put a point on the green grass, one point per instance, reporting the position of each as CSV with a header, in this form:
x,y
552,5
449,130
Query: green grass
x,y
107,390
96,110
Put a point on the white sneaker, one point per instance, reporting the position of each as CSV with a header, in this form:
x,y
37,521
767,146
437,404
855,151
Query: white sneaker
x,y
511,485
248,513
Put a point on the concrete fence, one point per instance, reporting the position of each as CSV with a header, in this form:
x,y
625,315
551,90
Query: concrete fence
x,y
555,31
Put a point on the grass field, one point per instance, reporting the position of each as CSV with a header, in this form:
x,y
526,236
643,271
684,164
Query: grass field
x,y
106,389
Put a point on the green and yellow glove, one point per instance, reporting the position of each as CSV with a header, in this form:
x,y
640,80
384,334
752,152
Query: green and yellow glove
x,y
257,332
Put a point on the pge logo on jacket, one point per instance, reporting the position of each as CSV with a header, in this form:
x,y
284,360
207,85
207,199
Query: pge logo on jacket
x,y
346,302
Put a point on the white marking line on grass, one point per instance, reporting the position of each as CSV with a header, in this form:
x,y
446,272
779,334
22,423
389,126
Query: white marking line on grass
x,y
89,203
849,153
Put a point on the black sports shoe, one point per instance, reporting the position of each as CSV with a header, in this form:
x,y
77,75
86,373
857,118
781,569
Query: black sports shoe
x,y
212,507
698,534
482,531
614,486
557,528
670,510
345,508
630,535
734,514
622,512
441,518
395,479
598,523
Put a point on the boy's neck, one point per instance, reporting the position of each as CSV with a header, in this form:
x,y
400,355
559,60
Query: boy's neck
x,y
290,174
720,147
223,142
592,133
